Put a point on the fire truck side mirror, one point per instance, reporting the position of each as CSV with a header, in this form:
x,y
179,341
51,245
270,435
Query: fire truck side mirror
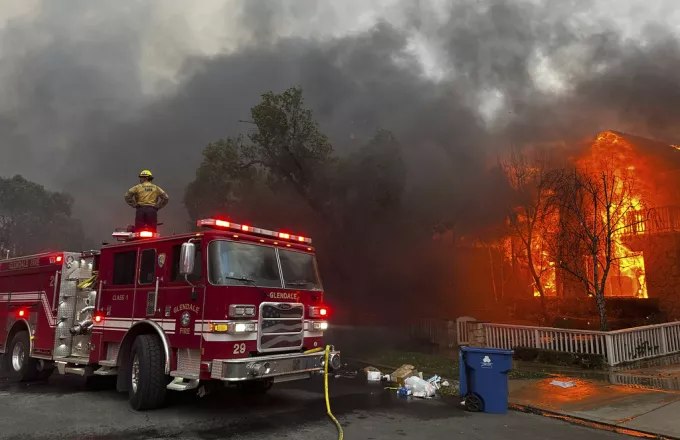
x,y
187,259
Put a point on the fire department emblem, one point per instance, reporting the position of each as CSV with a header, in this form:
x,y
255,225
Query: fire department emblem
x,y
161,260
186,319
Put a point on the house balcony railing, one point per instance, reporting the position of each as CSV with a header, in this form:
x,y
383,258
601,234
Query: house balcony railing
x,y
661,220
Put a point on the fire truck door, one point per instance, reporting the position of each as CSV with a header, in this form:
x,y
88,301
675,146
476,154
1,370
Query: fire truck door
x,y
118,292
147,304
49,301
183,302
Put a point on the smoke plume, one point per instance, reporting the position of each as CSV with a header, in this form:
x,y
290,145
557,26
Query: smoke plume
x,y
93,92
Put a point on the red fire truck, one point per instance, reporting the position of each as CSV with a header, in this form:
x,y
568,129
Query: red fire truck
x,y
229,304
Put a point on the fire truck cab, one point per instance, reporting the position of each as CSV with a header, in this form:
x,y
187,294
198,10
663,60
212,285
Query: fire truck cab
x,y
229,304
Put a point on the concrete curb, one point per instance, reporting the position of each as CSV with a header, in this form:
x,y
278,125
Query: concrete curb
x,y
588,423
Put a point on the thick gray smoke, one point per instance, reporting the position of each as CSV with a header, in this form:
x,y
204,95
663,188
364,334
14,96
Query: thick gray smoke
x,y
90,92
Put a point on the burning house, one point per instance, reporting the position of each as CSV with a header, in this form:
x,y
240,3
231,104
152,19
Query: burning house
x,y
616,227
605,224
650,234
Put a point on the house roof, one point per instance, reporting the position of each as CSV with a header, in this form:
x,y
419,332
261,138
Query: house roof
x,y
662,154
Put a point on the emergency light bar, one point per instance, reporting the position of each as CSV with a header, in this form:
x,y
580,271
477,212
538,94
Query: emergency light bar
x,y
223,224
134,235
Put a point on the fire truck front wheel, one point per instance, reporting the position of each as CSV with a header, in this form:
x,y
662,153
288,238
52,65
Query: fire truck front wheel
x,y
146,373
18,364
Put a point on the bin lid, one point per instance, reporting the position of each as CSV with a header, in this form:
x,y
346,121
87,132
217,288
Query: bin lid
x,y
486,350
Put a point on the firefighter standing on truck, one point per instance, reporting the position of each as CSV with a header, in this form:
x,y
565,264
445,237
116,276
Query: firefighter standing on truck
x,y
147,199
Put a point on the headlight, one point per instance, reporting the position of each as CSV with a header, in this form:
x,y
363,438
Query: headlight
x,y
242,327
233,327
241,311
319,325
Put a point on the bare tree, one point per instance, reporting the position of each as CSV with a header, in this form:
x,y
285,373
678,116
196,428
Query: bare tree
x,y
497,251
597,203
533,216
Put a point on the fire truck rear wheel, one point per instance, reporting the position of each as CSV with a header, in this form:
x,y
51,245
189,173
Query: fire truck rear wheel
x,y
18,364
146,373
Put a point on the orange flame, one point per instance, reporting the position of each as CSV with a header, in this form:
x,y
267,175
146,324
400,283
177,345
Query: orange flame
x,y
627,276
629,266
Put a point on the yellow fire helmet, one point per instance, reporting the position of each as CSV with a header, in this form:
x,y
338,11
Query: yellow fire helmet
x,y
146,173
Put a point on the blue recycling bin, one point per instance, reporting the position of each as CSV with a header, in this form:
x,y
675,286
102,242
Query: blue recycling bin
x,y
484,379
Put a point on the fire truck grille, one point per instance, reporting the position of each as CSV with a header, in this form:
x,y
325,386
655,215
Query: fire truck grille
x,y
281,326
278,342
282,311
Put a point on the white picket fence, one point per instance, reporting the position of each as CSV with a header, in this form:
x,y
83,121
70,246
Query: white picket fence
x,y
571,341
620,346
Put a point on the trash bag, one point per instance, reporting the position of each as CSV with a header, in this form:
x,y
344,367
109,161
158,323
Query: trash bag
x,y
420,387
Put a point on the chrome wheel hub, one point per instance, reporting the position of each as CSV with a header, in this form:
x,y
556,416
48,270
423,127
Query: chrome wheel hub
x,y
135,374
18,355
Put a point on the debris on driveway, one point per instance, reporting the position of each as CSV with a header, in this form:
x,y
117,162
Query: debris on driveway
x,y
407,381
435,380
372,374
420,387
402,373
344,373
404,392
562,384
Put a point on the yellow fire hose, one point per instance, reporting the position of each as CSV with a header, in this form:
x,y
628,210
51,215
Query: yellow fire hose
x,y
325,388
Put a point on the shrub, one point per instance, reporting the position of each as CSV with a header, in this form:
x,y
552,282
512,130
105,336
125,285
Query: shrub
x,y
593,361
565,359
559,358
527,354
547,357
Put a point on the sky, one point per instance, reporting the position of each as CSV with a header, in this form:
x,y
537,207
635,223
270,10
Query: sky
x,y
93,92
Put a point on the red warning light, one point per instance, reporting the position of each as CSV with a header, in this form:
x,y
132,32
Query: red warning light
x,y
318,312
223,224
21,313
98,318
146,234
59,258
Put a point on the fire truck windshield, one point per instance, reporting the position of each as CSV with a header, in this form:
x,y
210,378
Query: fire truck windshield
x,y
238,264
299,270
